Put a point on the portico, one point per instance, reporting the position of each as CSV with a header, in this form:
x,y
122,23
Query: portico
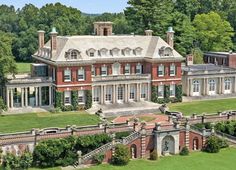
x,y
29,92
114,89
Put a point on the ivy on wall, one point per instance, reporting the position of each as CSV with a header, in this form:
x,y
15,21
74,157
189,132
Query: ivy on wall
x,y
88,99
58,99
167,98
74,99
178,93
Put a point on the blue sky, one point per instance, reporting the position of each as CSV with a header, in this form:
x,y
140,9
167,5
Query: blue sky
x,y
87,6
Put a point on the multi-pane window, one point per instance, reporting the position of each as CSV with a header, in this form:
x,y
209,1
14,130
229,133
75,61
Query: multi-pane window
x,y
161,70
81,97
73,55
138,68
104,71
161,91
212,85
127,69
172,90
227,84
67,97
108,93
91,54
172,70
120,93
96,94
93,71
132,92
144,91
81,74
67,75
196,86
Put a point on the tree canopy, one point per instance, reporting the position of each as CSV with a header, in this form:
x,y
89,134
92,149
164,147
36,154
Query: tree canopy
x,y
189,18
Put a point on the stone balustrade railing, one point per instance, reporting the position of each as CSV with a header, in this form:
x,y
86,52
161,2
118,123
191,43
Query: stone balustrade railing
x,y
121,77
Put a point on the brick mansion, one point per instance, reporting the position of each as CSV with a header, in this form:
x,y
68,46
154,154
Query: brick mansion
x,y
109,69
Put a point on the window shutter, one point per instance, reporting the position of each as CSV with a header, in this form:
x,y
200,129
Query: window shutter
x,y
84,73
63,76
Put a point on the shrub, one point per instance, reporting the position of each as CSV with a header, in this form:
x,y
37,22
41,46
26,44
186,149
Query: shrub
x,y
55,110
212,145
98,158
121,155
74,99
58,99
88,102
120,135
55,152
2,105
67,108
90,142
153,155
223,143
11,161
184,151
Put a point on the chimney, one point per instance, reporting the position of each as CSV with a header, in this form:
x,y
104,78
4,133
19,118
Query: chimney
x,y
41,38
103,28
189,60
170,36
53,35
148,32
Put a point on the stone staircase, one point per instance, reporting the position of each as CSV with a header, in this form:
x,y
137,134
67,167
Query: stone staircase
x,y
103,149
215,97
231,139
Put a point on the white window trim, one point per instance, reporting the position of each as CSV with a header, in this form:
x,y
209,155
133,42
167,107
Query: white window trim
x,y
67,80
79,95
172,65
163,70
127,66
172,85
65,96
81,69
103,67
140,68
161,97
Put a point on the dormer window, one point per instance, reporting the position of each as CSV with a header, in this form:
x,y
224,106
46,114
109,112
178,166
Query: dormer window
x,y
165,51
91,52
73,55
103,52
127,51
115,52
138,51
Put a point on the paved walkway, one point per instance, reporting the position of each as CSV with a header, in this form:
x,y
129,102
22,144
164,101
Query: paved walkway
x,y
27,110
132,108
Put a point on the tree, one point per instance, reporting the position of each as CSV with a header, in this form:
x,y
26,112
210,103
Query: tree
x,y
213,32
121,156
149,14
7,62
197,56
212,145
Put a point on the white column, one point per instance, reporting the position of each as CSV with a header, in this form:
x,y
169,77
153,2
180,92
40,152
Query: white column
x,y
8,100
50,95
222,85
207,86
36,96
22,97
190,87
102,95
126,90
148,91
114,94
40,96
11,98
26,97
138,92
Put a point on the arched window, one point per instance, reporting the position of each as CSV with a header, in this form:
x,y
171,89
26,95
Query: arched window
x,y
195,144
212,85
138,51
103,52
127,51
227,84
196,86
73,55
133,151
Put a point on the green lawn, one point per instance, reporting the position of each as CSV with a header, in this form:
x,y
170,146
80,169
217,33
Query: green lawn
x,y
24,122
207,106
225,160
23,67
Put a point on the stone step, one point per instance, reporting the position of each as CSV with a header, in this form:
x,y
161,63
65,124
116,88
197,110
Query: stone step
x,y
130,112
